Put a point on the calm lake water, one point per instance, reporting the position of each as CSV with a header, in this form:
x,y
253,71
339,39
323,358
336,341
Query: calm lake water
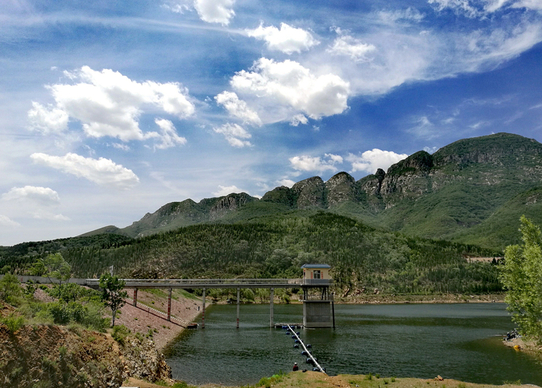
x,y
458,341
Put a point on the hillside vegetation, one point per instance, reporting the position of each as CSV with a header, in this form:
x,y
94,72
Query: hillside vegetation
x,y
361,257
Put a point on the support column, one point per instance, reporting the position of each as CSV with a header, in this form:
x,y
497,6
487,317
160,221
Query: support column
x,y
271,297
333,308
203,312
135,297
238,292
169,305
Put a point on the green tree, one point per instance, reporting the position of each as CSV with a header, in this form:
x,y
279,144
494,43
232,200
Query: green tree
x,y
10,289
53,266
113,294
521,276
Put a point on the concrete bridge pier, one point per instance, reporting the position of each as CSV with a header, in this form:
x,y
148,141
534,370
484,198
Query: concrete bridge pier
x,y
169,304
238,296
203,312
135,297
271,297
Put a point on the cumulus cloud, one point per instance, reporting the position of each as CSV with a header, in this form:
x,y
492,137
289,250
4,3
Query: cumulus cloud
x,y
238,108
234,134
100,171
287,39
225,190
42,195
291,85
108,103
309,163
215,11
47,119
6,221
349,46
39,202
372,160
168,135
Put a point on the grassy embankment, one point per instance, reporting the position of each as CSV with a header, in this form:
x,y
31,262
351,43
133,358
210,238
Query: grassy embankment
x,y
319,380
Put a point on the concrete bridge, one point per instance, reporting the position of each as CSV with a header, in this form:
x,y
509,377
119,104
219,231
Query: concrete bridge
x,y
318,304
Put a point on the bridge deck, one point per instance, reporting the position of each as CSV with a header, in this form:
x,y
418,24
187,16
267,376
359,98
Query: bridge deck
x,y
194,283
220,283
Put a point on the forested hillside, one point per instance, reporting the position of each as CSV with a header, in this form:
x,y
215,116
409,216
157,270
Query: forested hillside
x,y
360,256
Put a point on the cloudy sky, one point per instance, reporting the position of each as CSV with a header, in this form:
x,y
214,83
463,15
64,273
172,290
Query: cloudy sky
x,y
111,109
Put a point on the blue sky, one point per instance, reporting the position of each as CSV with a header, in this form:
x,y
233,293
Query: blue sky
x,y
109,110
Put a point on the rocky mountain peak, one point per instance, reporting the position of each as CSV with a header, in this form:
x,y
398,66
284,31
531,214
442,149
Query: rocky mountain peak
x,y
341,187
230,202
309,193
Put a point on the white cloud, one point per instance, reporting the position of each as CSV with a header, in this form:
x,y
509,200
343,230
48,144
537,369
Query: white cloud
x,y
458,6
100,171
483,8
44,215
308,163
168,135
430,150
36,201
233,134
286,182
372,160
6,221
422,127
238,108
47,120
119,146
529,4
299,119
215,11
409,14
290,85
179,6
108,103
351,47
225,190
42,195
287,39
334,158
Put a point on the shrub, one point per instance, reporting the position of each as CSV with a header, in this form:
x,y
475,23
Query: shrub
x,y
13,322
120,333
10,289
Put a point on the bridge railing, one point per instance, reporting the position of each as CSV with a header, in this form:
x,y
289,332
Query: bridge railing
x,y
220,283
192,283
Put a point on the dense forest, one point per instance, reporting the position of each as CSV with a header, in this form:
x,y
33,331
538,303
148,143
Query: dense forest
x,y
361,257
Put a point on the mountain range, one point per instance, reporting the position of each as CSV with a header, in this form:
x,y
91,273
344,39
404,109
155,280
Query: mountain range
x,y
471,191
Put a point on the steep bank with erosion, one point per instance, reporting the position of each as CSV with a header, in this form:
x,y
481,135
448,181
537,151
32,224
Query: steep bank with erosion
x,y
149,318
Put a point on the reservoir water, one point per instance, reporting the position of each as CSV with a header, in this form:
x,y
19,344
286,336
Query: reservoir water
x,y
457,341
